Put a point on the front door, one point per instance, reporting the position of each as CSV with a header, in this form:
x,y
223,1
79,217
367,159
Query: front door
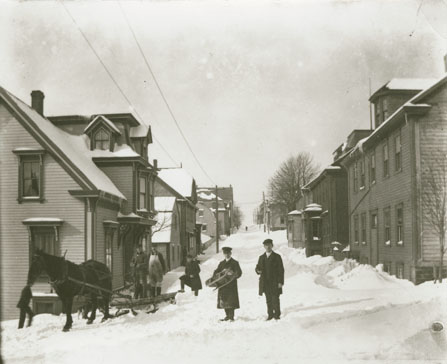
x,y
374,239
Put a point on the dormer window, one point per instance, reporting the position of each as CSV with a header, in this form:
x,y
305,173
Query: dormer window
x,y
102,140
102,133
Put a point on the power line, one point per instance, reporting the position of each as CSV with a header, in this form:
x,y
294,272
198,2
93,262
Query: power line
x,y
162,94
111,76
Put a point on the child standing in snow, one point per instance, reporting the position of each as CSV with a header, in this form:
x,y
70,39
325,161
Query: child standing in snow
x,y
191,277
23,303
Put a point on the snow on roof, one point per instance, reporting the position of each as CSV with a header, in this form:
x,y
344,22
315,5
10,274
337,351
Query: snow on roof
x,y
408,103
105,120
295,212
43,219
409,83
332,168
72,146
139,131
359,145
313,207
164,203
207,196
178,179
347,249
163,225
119,151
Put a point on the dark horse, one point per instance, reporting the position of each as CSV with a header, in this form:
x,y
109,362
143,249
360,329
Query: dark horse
x,y
70,280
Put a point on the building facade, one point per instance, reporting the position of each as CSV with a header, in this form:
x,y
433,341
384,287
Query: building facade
x,y
176,182
78,186
388,177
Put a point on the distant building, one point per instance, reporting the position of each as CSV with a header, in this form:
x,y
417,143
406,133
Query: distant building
x,y
388,176
166,232
75,185
176,182
207,218
207,198
329,189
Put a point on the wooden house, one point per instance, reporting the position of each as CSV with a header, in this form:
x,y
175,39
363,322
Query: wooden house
x,y
388,178
176,182
74,185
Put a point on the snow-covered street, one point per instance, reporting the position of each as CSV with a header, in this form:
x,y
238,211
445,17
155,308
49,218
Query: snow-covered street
x,y
331,312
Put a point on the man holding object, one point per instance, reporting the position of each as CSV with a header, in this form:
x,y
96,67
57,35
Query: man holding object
x,y
271,280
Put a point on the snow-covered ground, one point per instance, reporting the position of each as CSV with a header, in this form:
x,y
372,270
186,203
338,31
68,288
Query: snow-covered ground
x,y
332,312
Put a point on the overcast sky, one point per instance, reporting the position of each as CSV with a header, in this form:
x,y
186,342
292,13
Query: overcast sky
x,y
250,83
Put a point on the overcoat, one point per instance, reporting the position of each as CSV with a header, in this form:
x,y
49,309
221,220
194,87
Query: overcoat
x,y
270,284
228,297
192,269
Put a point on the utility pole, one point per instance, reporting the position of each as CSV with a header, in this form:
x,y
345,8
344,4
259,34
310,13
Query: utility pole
x,y
263,209
217,222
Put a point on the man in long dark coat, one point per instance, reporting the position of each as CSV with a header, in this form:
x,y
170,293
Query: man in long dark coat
x,y
191,277
271,280
227,296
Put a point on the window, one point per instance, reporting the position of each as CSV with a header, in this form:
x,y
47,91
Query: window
x,y
399,224
44,238
356,229
384,109
372,167
377,109
108,249
363,227
102,140
200,212
387,267
142,193
373,220
30,175
362,173
397,153
400,270
385,161
387,227
355,177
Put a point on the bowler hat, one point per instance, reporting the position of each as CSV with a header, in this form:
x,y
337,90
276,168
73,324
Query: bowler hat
x,y
268,241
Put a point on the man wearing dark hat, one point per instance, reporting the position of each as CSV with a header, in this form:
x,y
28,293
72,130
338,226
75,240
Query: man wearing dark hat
x,y
227,296
271,280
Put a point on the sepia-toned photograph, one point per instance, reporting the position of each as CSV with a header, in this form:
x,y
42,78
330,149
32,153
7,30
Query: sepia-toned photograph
x,y
223,181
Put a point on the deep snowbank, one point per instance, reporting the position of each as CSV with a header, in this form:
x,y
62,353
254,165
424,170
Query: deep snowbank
x,y
331,311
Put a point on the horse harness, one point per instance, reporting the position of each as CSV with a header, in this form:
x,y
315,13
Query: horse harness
x,y
65,278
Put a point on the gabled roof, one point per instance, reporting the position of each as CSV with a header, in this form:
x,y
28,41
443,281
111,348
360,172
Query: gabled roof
x,y
72,155
413,103
164,203
101,119
178,179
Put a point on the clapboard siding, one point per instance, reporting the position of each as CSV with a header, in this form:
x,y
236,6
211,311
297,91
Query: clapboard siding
x,y
387,192
433,144
122,177
58,203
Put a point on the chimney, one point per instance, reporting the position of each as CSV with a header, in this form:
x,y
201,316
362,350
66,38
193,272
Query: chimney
x,y
155,164
37,101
